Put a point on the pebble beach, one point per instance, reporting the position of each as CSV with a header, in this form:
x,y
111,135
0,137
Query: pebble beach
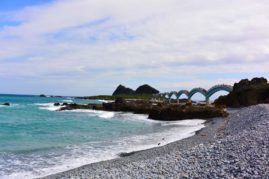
x,y
232,147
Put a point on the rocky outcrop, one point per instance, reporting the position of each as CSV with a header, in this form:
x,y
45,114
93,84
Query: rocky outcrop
x,y
122,90
73,106
173,113
156,111
146,89
120,104
6,104
246,93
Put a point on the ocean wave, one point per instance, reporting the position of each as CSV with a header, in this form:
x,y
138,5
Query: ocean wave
x,y
101,114
190,122
68,101
105,101
78,155
116,115
48,106
11,105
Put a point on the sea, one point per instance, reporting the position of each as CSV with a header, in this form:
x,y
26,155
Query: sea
x,y
36,139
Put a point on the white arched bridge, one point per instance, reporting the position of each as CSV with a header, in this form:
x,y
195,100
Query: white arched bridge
x,y
206,93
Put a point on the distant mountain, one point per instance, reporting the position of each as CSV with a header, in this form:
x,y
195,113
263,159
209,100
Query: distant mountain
x,y
122,90
146,89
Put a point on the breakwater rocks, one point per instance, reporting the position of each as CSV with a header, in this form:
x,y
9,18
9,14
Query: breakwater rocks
x,y
246,93
156,111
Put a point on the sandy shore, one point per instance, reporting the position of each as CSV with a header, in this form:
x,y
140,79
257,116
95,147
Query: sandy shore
x,y
220,150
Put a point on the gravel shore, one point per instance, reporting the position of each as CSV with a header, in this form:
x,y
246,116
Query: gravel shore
x,y
235,147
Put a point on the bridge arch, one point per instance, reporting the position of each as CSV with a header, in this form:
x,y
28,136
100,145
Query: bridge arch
x,y
218,88
206,93
171,94
197,90
181,92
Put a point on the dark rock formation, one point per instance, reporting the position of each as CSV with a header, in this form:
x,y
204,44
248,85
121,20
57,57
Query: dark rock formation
x,y
120,104
81,106
246,93
173,113
6,104
57,104
42,95
156,111
159,111
146,89
122,90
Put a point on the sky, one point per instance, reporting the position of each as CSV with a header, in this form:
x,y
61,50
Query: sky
x,y
89,47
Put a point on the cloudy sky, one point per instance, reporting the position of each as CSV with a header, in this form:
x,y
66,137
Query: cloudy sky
x,y
88,47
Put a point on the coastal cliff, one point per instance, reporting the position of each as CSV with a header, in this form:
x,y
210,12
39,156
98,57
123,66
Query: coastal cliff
x,y
246,93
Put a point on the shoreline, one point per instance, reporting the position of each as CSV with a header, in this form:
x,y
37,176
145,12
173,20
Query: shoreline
x,y
235,147
204,135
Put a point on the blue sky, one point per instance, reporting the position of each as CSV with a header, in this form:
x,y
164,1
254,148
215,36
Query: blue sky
x,y
78,47
12,5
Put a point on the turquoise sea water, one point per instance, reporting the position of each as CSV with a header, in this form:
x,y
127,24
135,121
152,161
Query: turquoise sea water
x,y
37,140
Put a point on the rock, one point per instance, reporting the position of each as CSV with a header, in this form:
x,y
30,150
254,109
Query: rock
x,y
163,112
146,89
258,81
120,101
176,112
42,95
126,154
122,90
6,104
56,104
246,93
73,106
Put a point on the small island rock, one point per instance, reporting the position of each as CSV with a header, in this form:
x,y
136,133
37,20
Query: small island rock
x,y
146,89
122,90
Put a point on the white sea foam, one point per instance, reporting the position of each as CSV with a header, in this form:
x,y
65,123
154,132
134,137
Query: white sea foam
x,y
105,101
190,122
68,101
101,114
78,155
11,105
116,115
48,106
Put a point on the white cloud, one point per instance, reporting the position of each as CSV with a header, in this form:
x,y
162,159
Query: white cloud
x,y
128,39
